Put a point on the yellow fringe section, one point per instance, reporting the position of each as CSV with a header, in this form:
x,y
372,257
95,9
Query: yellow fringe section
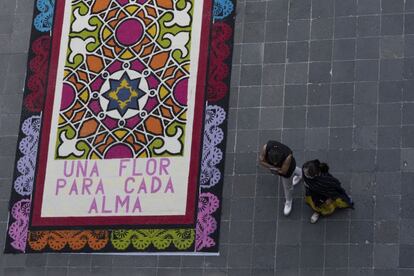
x,y
326,209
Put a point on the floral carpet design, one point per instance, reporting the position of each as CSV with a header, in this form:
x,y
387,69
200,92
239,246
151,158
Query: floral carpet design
x,y
129,85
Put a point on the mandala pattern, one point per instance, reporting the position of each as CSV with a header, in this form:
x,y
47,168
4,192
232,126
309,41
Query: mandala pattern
x,y
126,79
124,94
161,239
76,240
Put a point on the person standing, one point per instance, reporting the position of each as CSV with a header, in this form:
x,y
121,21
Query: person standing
x,y
278,158
323,191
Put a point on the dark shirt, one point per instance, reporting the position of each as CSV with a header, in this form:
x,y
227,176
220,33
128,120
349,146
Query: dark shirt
x,y
284,151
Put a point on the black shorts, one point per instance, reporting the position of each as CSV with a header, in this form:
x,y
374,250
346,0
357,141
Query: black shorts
x,y
291,169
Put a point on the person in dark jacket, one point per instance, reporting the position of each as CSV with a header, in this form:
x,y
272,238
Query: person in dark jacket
x,y
323,191
278,158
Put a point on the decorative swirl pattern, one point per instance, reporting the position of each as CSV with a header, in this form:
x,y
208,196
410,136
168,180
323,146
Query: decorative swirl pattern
x,y
18,229
206,224
212,156
161,239
75,239
222,9
27,163
44,20
200,238
36,83
218,69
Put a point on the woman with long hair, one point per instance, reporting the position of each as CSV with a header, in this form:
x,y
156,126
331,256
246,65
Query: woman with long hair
x,y
323,191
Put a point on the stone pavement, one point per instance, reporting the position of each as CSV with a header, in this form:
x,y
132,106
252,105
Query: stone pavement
x,y
334,79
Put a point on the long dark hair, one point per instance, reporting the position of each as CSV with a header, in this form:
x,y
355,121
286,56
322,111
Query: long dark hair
x,y
315,167
319,181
